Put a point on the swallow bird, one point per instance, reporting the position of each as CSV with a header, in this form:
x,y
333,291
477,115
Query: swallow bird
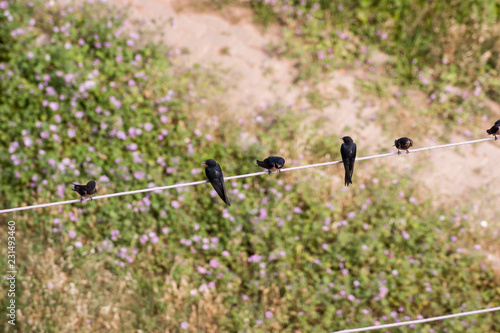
x,y
348,152
272,163
216,178
495,130
403,144
85,191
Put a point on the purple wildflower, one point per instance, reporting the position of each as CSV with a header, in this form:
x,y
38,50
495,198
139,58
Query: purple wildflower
x,y
27,141
114,234
214,263
255,258
54,106
121,135
148,127
144,239
132,147
262,213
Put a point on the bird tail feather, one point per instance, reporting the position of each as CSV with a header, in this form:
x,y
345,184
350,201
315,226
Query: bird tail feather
x,y
347,179
224,197
221,191
77,186
260,163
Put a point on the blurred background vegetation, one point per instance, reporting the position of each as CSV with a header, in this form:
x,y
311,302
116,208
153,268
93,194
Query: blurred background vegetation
x,y
84,95
437,47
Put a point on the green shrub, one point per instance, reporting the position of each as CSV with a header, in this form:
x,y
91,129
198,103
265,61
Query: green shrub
x,y
84,97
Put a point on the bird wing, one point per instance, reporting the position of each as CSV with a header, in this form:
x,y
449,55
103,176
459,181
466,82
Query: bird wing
x,y
352,158
274,161
216,178
266,164
80,189
344,151
262,164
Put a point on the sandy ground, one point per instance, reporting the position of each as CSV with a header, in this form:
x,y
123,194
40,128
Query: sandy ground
x,y
231,40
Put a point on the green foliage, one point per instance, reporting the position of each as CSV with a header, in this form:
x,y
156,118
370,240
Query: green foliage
x,y
83,97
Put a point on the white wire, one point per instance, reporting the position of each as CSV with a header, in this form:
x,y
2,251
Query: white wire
x,y
151,189
418,321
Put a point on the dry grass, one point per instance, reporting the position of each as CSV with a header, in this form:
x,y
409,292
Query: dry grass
x,y
66,298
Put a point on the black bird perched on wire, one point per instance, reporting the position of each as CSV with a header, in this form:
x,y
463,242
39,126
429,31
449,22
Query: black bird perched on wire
x,y
216,178
495,129
85,191
403,143
348,152
272,163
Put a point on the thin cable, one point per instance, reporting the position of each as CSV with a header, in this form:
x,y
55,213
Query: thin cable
x,y
418,321
151,189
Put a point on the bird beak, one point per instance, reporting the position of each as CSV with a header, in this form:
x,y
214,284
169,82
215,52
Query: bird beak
x,y
204,164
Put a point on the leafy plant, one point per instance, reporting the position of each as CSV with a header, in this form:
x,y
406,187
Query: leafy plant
x,y
85,97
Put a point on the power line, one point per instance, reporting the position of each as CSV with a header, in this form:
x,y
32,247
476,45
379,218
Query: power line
x,y
418,321
151,189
